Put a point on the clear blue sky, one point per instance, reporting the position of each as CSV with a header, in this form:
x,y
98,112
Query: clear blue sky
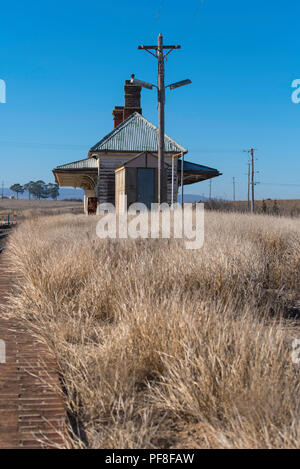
x,y
64,64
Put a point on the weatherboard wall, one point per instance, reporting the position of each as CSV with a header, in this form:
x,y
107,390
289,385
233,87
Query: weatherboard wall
x,y
108,179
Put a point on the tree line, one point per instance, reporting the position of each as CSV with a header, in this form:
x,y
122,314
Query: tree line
x,y
37,190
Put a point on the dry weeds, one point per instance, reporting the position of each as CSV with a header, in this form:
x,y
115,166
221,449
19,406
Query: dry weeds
x,y
159,346
281,207
22,209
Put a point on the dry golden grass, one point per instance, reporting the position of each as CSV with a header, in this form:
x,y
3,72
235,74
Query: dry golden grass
x,y
159,346
21,209
283,207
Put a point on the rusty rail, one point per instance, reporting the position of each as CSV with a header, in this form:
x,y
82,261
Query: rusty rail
x,y
5,229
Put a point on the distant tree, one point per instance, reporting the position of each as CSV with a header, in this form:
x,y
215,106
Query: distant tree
x,y
18,189
264,206
53,190
45,191
39,190
29,187
275,208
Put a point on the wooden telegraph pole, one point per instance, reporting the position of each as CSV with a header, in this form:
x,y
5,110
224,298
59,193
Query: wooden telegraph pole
x,y
252,172
161,119
161,88
248,185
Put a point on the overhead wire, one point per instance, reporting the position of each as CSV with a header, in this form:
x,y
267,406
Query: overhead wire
x,y
158,13
192,19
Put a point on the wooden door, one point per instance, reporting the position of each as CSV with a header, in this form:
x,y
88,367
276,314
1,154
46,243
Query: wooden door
x,y
92,205
146,186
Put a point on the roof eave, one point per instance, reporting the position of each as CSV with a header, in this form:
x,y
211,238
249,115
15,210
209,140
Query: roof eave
x,y
175,153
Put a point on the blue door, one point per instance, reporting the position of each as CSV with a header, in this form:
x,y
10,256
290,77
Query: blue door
x,y
146,186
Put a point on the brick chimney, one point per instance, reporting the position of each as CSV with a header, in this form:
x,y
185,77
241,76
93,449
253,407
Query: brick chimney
x,y
132,103
118,115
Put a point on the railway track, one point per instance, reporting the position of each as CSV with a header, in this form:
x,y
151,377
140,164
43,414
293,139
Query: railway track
x,y
5,230
32,413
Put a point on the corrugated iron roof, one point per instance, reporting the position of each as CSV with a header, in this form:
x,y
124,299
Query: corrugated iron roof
x,y
136,134
194,167
87,163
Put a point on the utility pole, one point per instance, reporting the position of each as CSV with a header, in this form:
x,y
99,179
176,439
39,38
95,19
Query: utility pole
x,y
161,119
210,189
2,189
248,185
233,183
181,177
172,187
252,172
160,56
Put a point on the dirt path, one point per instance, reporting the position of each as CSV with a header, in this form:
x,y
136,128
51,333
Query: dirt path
x,y
31,411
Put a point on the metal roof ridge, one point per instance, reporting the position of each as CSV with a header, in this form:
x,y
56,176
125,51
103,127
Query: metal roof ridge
x,y
122,125
72,162
166,136
115,131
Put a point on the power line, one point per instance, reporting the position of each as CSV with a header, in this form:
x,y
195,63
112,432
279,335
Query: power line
x,y
158,13
46,146
194,15
278,184
71,146
85,146
207,150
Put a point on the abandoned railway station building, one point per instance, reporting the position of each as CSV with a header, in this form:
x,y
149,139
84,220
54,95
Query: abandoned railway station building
x,y
125,162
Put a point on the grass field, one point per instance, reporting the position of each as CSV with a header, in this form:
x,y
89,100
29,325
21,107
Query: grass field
x,y
20,209
163,347
288,207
